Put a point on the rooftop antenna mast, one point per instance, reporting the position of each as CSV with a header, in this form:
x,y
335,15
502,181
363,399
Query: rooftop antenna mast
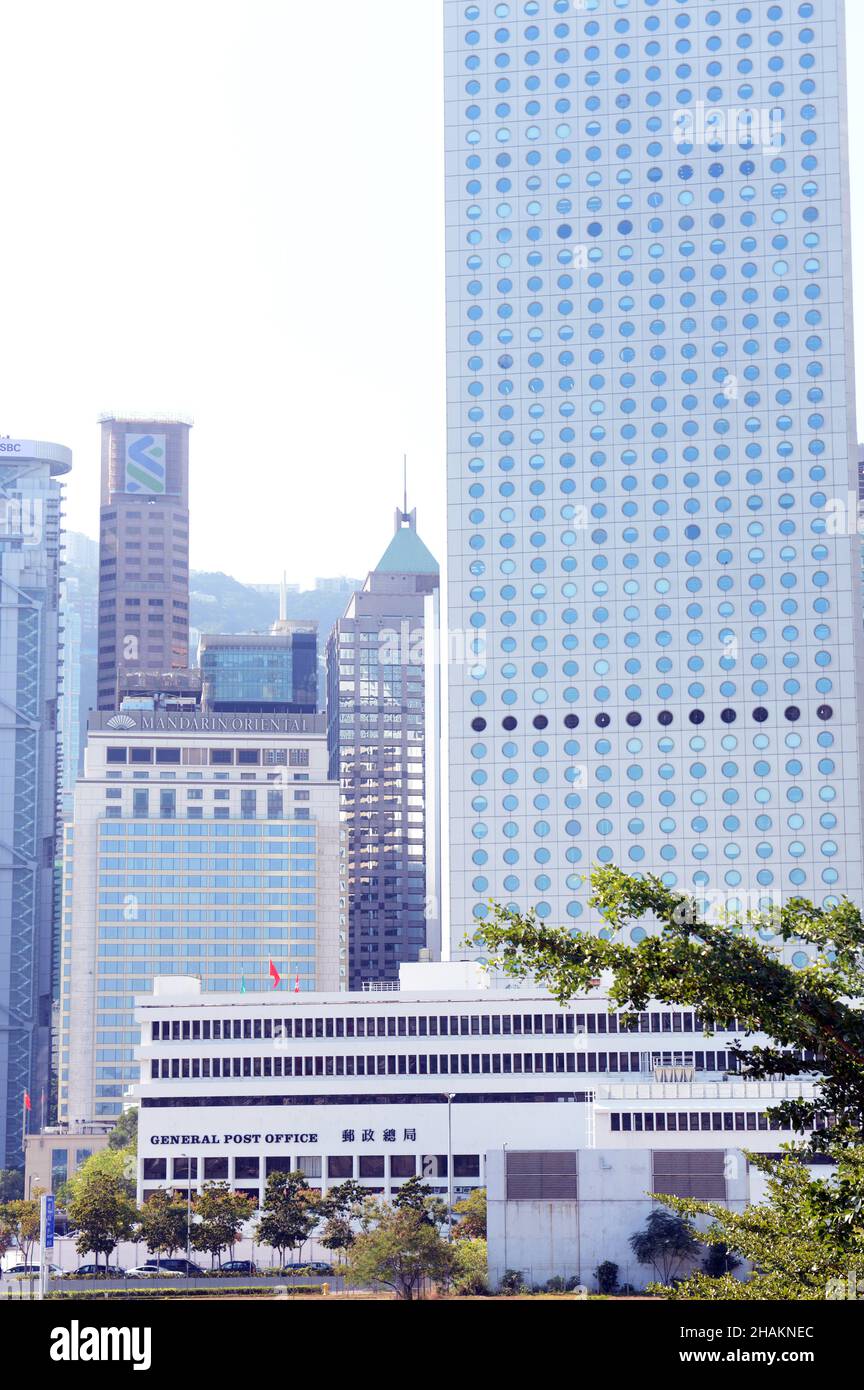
x,y
405,483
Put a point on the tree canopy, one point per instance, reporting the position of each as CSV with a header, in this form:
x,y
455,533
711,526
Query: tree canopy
x,y
667,1243
19,1226
163,1222
806,1233
471,1212
803,1239
11,1184
401,1251
726,971
220,1215
101,1202
290,1212
124,1135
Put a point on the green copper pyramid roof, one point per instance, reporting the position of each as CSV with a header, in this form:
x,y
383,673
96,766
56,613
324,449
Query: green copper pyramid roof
x,y
406,554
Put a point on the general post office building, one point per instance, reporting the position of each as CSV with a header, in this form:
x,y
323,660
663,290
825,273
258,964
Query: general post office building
x,y
383,1086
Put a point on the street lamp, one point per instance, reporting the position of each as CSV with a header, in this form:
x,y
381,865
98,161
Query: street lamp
x,y
188,1158
450,1097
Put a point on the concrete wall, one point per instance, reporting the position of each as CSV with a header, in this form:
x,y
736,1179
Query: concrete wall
x,y
571,1238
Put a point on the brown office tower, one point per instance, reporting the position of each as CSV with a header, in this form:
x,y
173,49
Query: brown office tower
x,y
143,550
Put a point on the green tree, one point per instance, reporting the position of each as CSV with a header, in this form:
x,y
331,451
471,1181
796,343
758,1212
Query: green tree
x,y
666,1243
472,1216
471,1266
417,1196
11,1184
803,1238
101,1202
814,1016
401,1252
7,1239
220,1215
290,1213
124,1135
339,1209
20,1220
720,1261
606,1275
162,1224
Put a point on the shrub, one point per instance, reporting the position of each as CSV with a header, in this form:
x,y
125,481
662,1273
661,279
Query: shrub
x,y
606,1275
559,1284
471,1275
512,1283
720,1261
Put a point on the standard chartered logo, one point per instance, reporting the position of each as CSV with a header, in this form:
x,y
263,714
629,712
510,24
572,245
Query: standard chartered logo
x,y
145,463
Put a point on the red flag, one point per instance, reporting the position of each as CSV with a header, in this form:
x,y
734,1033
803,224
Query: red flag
x,y
274,975
296,984
27,1103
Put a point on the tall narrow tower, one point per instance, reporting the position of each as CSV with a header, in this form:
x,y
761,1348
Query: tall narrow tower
x,y
651,420
143,550
383,728
30,545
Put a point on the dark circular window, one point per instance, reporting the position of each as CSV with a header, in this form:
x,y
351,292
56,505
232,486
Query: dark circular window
x,y
602,721
728,716
664,717
825,712
571,721
509,723
540,721
478,725
760,714
793,713
634,719
697,716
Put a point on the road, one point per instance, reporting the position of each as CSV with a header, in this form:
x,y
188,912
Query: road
x,y
133,1285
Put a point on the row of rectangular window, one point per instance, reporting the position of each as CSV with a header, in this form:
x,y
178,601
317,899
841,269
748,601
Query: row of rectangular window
x,y
437,1025
666,1121
339,1166
126,837
211,1101
193,813
219,757
433,1064
168,798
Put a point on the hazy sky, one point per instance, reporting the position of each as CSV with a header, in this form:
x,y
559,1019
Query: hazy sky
x,y
234,211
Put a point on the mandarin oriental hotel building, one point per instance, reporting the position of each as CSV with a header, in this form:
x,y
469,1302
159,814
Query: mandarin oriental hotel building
x,y
651,426
204,844
383,1086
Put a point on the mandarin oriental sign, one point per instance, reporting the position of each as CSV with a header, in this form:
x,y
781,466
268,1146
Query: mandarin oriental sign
x,y
162,722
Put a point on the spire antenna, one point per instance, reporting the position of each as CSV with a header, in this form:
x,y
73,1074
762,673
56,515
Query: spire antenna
x,y
405,482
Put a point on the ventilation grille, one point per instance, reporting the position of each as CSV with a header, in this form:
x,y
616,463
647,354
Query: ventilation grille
x,y
690,1173
538,1176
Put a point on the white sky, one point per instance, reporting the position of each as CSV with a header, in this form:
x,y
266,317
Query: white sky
x,y
233,209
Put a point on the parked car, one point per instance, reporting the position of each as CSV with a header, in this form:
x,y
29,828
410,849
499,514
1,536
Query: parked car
x,y
247,1267
307,1267
169,1268
149,1271
30,1271
100,1272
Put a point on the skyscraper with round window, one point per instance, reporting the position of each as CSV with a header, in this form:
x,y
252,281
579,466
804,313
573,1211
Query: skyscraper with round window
x,y
653,555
